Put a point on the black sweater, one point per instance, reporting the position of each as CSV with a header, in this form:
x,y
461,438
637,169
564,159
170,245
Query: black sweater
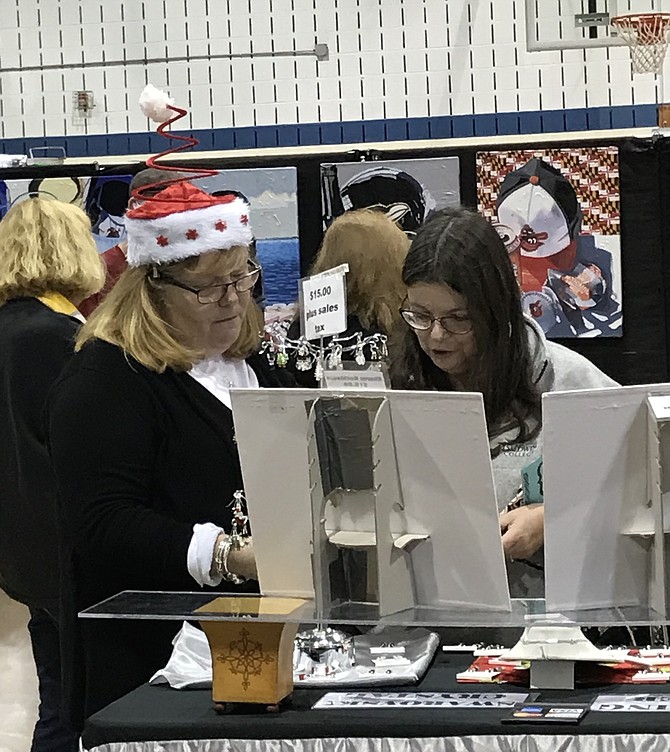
x,y
139,458
35,343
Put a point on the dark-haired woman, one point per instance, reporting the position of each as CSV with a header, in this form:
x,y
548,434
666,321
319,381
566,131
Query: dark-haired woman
x,y
467,332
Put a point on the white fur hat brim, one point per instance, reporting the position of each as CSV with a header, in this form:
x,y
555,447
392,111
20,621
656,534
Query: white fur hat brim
x,y
183,234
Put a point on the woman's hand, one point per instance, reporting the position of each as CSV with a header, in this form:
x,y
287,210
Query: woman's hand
x,y
242,562
522,531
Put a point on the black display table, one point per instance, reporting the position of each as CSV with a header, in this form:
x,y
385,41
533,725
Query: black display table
x,y
150,719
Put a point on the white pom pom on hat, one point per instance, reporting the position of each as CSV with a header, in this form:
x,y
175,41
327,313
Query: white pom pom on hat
x,y
155,104
182,221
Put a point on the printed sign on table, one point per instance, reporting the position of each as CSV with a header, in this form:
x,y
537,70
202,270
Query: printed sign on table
x,y
359,380
631,703
335,700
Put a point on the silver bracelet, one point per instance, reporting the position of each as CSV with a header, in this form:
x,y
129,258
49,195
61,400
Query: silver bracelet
x,y
221,561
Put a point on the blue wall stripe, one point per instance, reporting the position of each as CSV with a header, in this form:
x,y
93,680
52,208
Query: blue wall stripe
x,y
245,138
351,132
509,123
486,125
288,135
396,130
267,137
552,121
418,128
331,133
309,134
440,127
374,130
576,120
223,139
463,126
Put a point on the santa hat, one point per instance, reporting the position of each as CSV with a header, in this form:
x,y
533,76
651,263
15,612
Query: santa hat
x,y
539,197
182,221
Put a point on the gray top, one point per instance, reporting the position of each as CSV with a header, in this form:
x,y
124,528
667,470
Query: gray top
x,y
556,368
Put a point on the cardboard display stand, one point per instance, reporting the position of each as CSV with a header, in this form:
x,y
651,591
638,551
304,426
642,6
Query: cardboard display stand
x,y
426,517
606,472
395,490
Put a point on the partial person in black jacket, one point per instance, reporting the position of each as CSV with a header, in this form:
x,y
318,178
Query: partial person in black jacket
x,y
48,264
374,247
141,432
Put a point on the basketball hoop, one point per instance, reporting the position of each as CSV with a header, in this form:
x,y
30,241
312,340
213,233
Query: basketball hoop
x,y
647,35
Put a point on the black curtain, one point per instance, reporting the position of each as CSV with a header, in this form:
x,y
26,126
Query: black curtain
x,y
640,356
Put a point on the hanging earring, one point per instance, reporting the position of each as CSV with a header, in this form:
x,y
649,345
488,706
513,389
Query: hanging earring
x,y
318,368
335,357
384,353
359,356
303,361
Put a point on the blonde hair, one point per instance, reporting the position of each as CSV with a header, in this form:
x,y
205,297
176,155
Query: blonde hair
x,y
133,317
47,246
375,249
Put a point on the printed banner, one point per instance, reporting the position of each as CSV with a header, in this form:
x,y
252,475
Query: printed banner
x,y
406,190
271,193
557,210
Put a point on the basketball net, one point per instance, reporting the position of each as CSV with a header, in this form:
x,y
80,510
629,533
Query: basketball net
x,y
647,36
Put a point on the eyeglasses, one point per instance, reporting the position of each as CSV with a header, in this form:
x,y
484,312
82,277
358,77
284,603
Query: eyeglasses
x,y
452,324
213,293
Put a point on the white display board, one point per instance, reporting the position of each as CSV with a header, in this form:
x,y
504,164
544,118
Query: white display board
x,y
600,530
446,493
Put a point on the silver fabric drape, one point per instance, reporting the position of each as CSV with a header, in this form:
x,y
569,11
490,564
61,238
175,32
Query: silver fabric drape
x,y
492,743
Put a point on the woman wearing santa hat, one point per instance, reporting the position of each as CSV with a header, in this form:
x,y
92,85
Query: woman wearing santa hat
x,y
466,331
141,432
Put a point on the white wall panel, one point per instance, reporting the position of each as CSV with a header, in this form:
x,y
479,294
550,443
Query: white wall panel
x,y
485,102
388,58
287,113
527,99
110,12
551,88
310,110
507,98
645,88
463,104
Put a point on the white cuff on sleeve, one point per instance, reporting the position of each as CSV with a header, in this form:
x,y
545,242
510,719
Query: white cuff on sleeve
x,y
200,552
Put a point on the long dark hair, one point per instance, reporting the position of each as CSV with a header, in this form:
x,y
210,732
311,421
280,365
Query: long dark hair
x,y
459,248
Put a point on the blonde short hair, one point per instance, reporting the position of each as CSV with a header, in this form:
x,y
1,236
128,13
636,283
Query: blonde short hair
x,y
47,246
133,317
374,247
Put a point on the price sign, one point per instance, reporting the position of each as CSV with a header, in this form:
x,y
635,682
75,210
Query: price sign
x,y
324,304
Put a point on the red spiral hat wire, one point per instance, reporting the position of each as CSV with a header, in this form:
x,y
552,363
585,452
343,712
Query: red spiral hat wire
x,y
145,192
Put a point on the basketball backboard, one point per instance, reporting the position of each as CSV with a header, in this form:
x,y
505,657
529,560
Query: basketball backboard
x,y
574,24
